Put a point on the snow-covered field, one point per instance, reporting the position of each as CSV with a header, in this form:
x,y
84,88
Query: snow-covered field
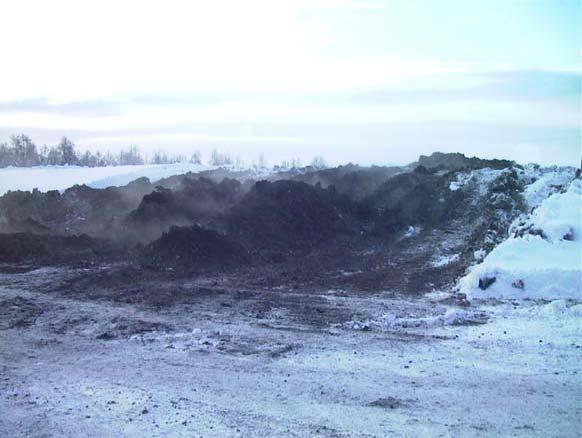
x,y
62,177
224,370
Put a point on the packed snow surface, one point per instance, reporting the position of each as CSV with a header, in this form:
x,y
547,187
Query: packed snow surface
x,y
420,368
480,179
542,259
47,178
548,181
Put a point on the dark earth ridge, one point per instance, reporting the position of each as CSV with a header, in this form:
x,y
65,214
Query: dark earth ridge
x,y
384,228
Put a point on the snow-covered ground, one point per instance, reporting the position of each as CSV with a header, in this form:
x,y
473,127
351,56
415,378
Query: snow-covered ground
x,y
62,177
542,257
224,370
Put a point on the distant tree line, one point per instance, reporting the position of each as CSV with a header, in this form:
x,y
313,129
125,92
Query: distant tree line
x,y
218,158
21,151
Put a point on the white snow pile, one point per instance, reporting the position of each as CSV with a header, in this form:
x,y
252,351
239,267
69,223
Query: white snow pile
x,y
542,258
389,321
548,181
479,179
556,310
541,182
46,178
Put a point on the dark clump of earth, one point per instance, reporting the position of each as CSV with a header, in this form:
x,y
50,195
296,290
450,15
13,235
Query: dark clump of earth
x,y
485,282
388,402
124,327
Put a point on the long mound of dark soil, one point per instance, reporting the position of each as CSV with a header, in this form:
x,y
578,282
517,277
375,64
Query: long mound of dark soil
x,y
189,249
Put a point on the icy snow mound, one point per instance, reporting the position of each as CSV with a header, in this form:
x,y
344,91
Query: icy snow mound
x,y
555,310
548,182
479,179
541,260
389,321
45,178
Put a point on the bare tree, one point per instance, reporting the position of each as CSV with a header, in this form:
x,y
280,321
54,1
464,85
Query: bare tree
x,y
261,162
67,151
295,163
130,157
318,162
196,157
219,159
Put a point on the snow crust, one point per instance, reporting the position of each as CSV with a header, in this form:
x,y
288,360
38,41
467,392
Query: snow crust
x,y
555,310
480,178
542,258
547,182
389,321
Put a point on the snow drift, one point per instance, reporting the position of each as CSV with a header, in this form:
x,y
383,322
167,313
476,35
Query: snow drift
x,y
542,258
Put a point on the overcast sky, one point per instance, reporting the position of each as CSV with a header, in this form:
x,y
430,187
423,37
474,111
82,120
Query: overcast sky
x,y
365,81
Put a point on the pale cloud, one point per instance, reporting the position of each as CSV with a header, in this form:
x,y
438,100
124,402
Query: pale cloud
x,y
75,50
526,113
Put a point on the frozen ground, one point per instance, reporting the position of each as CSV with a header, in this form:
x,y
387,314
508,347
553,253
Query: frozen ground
x,y
47,178
251,363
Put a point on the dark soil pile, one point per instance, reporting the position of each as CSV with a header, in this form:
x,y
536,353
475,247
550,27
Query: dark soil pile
x,y
190,249
416,198
354,181
18,207
80,209
98,212
45,249
201,201
458,161
288,215
371,228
